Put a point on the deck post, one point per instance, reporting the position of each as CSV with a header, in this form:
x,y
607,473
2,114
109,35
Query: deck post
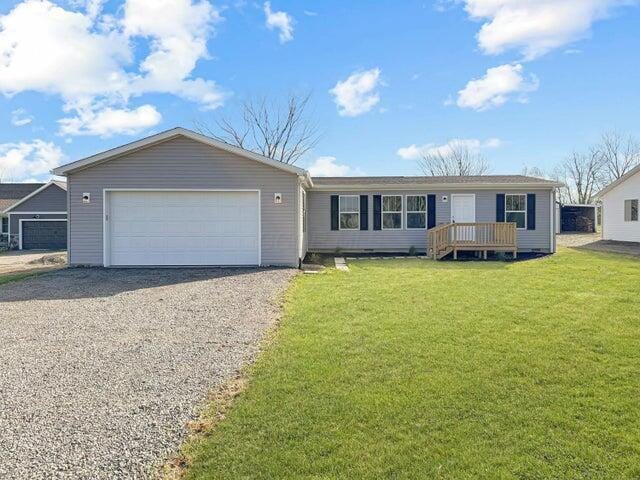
x,y
484,254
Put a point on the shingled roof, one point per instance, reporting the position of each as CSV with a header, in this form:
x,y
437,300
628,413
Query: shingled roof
x,y
486,180
10,193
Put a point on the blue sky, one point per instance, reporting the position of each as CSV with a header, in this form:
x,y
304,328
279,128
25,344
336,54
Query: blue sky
x,y
522,82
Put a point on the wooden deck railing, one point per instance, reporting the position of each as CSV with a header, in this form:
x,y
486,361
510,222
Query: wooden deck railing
x,y
481,237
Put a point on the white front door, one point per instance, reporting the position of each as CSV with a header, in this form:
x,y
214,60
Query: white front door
x,y
463,210
182,228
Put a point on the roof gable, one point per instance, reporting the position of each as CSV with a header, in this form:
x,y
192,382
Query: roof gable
x,y
168,135
42,187
10,193
619,181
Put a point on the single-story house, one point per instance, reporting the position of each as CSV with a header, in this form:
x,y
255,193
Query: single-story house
x,y
182,198
620,209
34,216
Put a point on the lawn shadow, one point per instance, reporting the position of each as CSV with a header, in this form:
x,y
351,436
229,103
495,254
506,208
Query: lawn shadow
x,y
96,282
611,246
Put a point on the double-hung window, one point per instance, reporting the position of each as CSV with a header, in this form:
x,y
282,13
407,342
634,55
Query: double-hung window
x,y
516,209
392,212
349,212
631,210
4,227
416,211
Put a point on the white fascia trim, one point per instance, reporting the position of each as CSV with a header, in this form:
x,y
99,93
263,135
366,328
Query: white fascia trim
x,y
32,194
437,187
617,182
36,213
167,135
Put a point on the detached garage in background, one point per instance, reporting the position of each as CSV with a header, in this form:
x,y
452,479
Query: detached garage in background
x,y
39,220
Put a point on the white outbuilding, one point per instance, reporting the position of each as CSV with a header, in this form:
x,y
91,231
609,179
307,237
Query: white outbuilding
x,y
620,208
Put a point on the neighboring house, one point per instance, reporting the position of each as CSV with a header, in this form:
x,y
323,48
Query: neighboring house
x,y
38,219
11,193
620,209
181,198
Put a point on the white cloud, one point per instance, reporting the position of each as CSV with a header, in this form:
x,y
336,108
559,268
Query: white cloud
x,y
22,161
87,57
414,152
536,26
281,21
109,121
20,117
357,94
328,167
497,86
178,31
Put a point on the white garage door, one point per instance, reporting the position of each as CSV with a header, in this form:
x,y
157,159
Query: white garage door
x,y
182,228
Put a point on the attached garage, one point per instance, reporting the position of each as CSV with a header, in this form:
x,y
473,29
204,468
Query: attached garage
x,y
39,234
179,198
186,227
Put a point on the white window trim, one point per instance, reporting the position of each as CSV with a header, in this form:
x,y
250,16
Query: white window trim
x,y
340,212
407,211
401,212
516,211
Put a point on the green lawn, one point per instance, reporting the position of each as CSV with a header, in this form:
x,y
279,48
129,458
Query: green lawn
x,y
416,369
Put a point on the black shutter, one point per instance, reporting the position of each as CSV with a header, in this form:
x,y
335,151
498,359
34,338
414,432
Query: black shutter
x,y
531,211
334,212
364,212
377,212
431,211
500,207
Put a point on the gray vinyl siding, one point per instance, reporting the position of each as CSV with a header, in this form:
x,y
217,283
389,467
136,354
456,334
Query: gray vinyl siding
x,y
14,221
51,199
322,238
183,163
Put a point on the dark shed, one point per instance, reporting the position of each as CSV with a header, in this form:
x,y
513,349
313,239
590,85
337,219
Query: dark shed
x,y
578,218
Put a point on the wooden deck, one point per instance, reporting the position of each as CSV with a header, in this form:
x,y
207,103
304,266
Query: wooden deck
x,y
475,237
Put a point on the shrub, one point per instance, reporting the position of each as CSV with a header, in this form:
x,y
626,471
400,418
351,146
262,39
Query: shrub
x,y
412,251
315,259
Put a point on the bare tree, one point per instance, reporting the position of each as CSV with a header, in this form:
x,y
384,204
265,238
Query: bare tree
x,y
619,153
581,173
533,172
282,133
457,159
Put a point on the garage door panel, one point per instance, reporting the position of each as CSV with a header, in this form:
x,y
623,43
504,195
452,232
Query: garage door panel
x,y
184,228
44,235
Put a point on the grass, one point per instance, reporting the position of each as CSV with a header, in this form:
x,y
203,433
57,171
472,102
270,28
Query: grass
x,y
417,369
14,277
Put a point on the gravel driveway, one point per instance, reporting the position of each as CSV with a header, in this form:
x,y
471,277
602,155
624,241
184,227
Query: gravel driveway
x,y
101,369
